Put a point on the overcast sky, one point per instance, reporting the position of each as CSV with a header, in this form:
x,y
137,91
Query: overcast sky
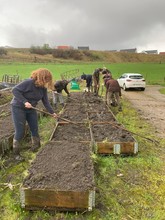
x,y
99,24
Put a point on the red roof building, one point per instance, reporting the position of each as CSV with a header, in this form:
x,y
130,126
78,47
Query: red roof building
x,y
64,47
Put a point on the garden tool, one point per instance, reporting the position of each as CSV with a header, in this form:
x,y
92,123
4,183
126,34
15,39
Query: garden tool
x,y
39,110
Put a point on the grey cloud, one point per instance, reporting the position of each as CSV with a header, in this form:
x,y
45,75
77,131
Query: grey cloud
x,y
100,24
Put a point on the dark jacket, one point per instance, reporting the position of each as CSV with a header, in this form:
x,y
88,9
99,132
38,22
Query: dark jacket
x,y
88,79
112,85
61,85
27,91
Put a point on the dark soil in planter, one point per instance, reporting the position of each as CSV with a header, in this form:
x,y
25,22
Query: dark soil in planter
x,y
72,133
63,166
74,115
6,127
92,107
5,96
110,133
76,107
101,117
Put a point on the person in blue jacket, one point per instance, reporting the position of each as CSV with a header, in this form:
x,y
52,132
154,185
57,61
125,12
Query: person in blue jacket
x,y
25,96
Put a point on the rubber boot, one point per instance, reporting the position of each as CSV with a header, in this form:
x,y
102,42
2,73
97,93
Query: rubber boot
x,y
35,143
16,150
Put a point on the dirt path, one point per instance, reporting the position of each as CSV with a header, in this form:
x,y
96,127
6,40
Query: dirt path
x,y
151,106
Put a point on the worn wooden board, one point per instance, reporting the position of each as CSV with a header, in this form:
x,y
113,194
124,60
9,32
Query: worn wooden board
x,y
49,199
117,148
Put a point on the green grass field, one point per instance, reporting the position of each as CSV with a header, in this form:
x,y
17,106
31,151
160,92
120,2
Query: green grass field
x,y
154,73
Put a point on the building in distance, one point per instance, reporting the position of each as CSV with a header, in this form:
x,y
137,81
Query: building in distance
x,y
83,47
132,50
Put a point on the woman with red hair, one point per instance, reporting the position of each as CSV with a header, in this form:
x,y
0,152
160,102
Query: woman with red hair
x,y
27,94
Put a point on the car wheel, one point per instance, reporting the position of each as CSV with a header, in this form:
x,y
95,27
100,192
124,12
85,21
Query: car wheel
x,y
142,89
124,87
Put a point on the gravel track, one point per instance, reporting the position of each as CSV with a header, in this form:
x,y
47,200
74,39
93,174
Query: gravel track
x,y
150,105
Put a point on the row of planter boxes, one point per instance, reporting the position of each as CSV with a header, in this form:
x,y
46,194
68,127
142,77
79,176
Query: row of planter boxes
x,y
62,175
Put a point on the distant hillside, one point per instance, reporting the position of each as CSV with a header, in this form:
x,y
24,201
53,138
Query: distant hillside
x,y
24,55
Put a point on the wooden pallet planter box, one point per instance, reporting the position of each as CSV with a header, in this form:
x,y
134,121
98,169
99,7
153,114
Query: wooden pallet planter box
x,y
117,148
6,132
113,140
60,178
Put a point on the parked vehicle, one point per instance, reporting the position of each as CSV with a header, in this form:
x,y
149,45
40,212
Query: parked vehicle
x,y
132,80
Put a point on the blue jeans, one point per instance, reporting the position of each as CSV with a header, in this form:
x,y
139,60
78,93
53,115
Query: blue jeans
x,y
20,116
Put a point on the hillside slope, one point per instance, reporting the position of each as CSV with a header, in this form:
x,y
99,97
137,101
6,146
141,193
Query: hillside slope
x,y
24,55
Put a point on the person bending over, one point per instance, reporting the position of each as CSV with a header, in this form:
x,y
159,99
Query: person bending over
x,y
88,79
59,86
113,92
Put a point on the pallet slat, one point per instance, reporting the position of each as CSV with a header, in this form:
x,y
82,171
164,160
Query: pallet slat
x,y
117,147
52,199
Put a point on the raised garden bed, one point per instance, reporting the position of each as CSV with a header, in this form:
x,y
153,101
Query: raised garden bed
x,y
6,128
75,113
61,177
72,132
102,116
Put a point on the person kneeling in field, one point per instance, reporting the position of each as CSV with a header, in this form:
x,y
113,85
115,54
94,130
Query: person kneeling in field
x,y
113,93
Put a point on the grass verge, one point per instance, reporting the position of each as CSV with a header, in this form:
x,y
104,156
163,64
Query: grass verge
x,y
162,90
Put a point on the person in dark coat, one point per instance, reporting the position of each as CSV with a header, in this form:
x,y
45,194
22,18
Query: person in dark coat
x,y
59,86
113,92
26,95
88,79
96,80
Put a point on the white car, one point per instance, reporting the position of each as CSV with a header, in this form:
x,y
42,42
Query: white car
x,y
132,80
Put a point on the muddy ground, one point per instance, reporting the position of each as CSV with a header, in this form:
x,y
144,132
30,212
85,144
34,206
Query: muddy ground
x,y
150,104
